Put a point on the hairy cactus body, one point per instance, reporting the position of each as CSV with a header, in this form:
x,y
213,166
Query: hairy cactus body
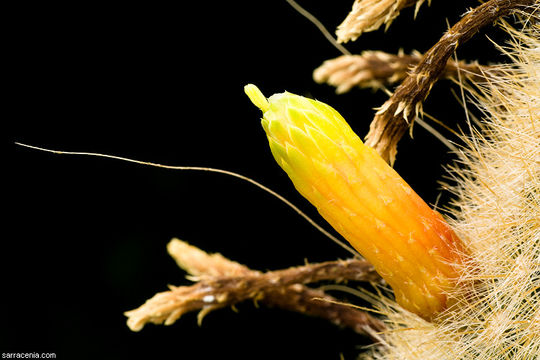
x,y
496,211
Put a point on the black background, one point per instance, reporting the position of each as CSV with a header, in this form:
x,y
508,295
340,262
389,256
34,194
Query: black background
x,y
86,236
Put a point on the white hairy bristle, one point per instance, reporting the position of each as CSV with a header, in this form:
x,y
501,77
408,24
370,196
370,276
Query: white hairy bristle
x,y
496,212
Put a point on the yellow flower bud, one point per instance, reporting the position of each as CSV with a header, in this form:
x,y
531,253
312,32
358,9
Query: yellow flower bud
x,y
363,198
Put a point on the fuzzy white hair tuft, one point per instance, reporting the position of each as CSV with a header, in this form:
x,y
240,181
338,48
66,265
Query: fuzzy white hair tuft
x,y
496,212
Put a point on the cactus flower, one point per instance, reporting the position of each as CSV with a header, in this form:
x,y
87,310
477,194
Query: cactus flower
x,y
363,198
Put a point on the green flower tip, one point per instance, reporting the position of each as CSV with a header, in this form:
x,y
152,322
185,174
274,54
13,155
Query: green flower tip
x,y
257,97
